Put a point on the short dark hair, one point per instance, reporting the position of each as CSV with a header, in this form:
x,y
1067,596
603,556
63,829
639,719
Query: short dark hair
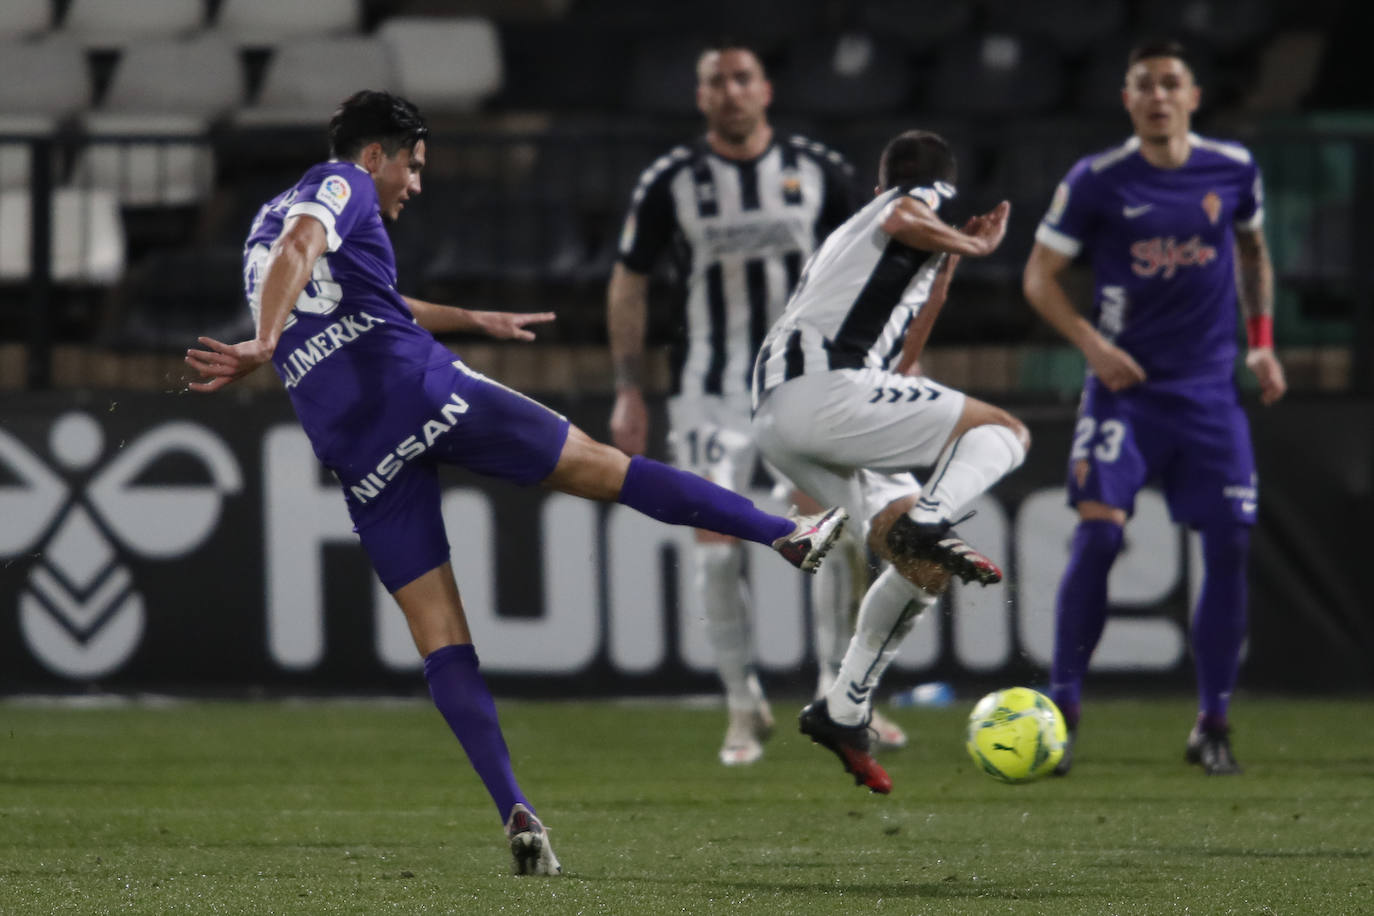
x,y
1158,47
371,116
719,44
916,158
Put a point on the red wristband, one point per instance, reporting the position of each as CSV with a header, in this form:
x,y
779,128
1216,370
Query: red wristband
x,y
1259,330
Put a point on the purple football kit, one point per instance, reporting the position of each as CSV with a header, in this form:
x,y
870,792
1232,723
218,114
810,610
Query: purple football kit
x,y
381,400
1160,244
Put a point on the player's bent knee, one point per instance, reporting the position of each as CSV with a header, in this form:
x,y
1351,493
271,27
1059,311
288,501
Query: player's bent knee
x,y
1093,511
1101,538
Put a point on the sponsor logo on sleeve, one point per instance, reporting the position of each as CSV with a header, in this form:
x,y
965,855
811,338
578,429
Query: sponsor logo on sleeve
x,y
334,193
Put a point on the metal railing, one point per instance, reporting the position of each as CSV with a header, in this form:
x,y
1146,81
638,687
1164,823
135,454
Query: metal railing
x,y
531,217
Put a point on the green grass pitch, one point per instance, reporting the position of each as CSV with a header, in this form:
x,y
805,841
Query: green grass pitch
x,y
370,808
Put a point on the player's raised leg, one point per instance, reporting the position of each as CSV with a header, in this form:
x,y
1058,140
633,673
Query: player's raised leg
x,y
987,444
598,471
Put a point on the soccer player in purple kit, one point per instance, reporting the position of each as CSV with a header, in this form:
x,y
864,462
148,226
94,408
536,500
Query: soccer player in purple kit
x,y
384,403
1171,224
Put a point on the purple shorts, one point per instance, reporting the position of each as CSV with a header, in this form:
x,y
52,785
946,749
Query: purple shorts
x,y
1195,443
389,467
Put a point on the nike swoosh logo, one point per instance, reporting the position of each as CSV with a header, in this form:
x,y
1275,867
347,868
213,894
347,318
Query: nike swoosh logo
x,y
1248,506
1133,212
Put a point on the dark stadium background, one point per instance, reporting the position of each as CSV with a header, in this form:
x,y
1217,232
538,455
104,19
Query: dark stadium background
x,y
155,138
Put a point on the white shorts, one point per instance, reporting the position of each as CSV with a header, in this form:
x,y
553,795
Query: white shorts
x,y
712,436
850,436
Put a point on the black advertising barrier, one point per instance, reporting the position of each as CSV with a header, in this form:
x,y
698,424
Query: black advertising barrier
x,y
183,543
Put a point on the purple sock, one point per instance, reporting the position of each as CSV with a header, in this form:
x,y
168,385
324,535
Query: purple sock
x,y
1081,611
1219,623
682,498
463,699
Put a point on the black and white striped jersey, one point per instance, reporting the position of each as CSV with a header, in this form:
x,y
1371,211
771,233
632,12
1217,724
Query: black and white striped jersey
x,y
856,297
738,233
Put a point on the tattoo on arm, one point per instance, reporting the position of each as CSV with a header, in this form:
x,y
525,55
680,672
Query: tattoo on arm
x,y
626,318
1254,275
629,370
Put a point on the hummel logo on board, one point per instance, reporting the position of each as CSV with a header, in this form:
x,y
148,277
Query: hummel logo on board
x,y
1140,210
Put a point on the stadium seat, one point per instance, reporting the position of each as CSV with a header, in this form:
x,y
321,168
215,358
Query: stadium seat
x,y
995,75
87,237
1227,25
444,64
560,68
23,18
266,23
42,81
201,77
173,295
171,89
41,84
102,24
307,79
1029,169
849,75
663,75
1073,26
921,25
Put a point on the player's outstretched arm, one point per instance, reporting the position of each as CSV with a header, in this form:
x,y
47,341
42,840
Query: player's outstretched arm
x,y
627,307
450,319
912,223
1255,289
289,264
1040,283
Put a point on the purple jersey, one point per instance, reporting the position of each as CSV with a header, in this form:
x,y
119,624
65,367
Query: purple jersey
x,y
1161,245
350,337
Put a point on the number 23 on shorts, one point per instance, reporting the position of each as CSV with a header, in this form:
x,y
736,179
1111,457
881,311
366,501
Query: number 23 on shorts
x,y
1102,440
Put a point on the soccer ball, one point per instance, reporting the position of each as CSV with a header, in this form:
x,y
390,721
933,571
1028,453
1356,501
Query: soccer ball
x,y
1016,734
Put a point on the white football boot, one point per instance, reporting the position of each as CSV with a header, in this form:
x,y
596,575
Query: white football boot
x,y
744,738
530,850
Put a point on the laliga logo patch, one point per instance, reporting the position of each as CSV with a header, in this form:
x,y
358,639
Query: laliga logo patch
x,y
334,193
80,614
1058,203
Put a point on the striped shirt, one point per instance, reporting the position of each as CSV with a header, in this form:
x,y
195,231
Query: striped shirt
x,y
738,232
859,292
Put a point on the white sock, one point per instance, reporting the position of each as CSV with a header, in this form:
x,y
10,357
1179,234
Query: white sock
x,y
887,614
720,583
835,591
968,467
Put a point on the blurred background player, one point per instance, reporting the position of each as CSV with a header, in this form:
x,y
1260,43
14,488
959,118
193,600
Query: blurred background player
x,y
384,403
740,210
1171,224
834,414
